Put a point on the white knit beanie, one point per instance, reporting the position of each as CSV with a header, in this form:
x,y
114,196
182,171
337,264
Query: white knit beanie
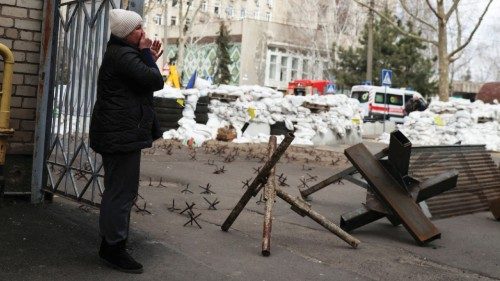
x,y
123,22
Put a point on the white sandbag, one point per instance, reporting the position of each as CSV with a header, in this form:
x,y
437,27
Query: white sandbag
x,y
202,84
254,129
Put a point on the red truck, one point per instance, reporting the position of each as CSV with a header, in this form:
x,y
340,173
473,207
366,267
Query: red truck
x,y
308,87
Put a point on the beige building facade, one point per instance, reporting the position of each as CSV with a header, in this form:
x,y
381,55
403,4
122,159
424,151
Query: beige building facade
x,y
274,41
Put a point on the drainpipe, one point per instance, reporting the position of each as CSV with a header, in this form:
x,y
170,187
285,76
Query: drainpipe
x,y
6,93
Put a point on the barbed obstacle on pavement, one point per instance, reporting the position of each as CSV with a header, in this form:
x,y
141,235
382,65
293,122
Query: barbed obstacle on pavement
x,y
266,179
477,185
392,193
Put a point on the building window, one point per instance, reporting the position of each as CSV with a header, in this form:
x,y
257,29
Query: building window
x,y
173,20
257,3
268,16
284,69
204,6
270,3
216,8
272,67
229,11
295,68
158,19
305,69
242,13
256,14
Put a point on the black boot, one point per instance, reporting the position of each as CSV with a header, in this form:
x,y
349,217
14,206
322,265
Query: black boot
x,y
117,257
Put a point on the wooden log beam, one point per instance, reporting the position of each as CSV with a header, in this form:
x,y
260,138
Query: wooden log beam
x,y
258,182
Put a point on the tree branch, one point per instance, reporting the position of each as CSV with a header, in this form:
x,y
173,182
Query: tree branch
x,y
181,20
459,29
450,56
432,8
194,16
395,25
451,10
405,7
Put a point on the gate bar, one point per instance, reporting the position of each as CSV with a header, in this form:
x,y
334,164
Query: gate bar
x,y
45,89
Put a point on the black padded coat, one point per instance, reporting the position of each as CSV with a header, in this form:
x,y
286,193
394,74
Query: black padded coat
x,y
123,119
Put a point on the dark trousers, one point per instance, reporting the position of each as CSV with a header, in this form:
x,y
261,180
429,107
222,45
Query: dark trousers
x,y
121,182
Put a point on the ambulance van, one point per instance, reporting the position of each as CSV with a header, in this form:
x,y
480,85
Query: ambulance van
x,y
374,104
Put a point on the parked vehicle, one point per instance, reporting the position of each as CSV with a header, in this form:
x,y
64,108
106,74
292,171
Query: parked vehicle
x,y
374,104
309,87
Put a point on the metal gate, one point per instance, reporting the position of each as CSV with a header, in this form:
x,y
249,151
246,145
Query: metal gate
x,y
79,37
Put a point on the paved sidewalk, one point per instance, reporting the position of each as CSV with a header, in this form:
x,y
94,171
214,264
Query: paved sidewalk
x,y
59,241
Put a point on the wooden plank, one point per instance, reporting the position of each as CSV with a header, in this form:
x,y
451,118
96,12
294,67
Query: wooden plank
x,y
316,107
392,195
223,97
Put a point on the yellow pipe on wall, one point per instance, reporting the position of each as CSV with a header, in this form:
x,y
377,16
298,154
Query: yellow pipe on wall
x,y
8,71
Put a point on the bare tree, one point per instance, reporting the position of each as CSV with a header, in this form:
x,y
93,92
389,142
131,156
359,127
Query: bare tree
x,y
152,6
439,26
486,63
321,26
188,10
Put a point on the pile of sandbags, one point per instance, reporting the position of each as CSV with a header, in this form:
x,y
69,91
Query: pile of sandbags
x,y
262,107
457,121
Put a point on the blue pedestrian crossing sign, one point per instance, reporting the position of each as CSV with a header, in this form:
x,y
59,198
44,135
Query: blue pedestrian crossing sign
x,y
330,89
386,77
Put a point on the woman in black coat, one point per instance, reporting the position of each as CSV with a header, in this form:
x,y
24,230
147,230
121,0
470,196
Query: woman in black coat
x,y
124,122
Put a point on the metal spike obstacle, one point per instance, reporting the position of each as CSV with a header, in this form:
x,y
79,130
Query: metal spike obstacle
x,y
160,184
206,189
192,218
212,204
186,190
189,208
173,208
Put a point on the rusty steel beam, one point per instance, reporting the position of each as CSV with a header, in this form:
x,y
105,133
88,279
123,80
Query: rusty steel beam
x,y
270,196
358,218
392,195
427,189
437,185
303,209
338,176
399,152
258,182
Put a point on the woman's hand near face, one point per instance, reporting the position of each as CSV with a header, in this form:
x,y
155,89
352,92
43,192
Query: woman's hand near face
x,y
156,50
144,42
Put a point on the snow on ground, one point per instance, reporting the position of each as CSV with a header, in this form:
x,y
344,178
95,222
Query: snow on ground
x,y
457,121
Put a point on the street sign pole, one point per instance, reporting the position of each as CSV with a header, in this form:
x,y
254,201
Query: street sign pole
x,y
386,81
386,108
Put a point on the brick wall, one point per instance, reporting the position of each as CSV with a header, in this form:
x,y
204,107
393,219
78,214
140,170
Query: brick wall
x,y
20,30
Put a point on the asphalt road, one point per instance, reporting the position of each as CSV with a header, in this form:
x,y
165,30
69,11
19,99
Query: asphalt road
x,y
59,240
